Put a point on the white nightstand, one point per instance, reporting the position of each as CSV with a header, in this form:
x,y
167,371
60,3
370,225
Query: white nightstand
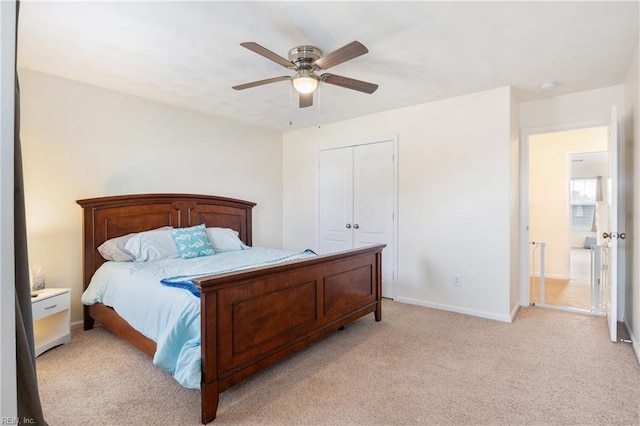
x,y
51,318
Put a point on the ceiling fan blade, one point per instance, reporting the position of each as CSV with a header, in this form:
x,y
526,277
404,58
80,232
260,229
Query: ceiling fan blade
x,y
349,83
306,99
261,82
255,47
345,53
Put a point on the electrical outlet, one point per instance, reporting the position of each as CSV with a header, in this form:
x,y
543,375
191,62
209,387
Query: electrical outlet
x,y
457,280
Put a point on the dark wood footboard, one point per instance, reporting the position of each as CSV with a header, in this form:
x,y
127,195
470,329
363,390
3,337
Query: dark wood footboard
x,y
254,318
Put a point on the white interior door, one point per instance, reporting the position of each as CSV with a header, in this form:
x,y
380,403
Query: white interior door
x,y
335,199
611,261
373,205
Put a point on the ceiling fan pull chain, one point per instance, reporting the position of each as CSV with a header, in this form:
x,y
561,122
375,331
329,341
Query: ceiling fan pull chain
x,y
318,106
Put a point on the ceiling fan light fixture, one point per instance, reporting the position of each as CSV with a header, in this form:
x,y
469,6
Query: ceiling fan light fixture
x,y
305,81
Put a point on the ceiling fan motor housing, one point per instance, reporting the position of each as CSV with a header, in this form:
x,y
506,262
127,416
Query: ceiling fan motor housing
x,y
304,56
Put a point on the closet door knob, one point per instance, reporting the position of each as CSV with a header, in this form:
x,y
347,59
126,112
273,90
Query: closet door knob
x,y
356,226
348,226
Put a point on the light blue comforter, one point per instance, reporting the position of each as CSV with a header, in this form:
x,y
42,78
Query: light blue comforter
x,y
170,316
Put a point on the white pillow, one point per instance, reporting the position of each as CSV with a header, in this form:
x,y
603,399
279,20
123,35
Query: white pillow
x,y
113,249
152,245
225,239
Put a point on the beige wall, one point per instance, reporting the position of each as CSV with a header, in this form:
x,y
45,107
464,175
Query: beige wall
x,y
549,202
455,181
81,141
582,109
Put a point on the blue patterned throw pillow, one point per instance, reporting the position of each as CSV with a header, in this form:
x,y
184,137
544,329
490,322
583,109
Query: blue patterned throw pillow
x,y
192,242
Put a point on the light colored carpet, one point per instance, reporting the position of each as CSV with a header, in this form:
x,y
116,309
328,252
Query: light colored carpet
x,y
417,366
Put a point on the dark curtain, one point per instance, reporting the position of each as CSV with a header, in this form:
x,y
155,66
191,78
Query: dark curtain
x,y
29,408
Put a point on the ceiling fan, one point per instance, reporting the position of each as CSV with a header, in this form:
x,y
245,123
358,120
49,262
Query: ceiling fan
x,y
305,60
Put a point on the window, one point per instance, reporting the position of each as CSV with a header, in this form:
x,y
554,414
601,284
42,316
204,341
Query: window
x,y
583,203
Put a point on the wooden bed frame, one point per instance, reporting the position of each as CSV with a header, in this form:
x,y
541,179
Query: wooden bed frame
x,y
249,319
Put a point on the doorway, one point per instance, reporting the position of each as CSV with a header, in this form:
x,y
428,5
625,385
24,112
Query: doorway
x,y
567,175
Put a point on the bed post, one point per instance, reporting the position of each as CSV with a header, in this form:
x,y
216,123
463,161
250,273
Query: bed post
x,y
209,385
88,258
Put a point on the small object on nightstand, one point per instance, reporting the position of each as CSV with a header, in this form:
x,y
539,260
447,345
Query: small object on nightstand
x,y
51,309
37,278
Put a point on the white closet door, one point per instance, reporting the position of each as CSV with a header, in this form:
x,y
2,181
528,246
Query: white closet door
x,y
335,198
357,203
373,206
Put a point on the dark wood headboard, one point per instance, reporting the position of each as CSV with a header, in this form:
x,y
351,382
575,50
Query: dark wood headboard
x,y
110,217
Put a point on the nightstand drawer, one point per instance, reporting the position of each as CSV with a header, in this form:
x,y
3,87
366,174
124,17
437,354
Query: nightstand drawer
x,y
50,306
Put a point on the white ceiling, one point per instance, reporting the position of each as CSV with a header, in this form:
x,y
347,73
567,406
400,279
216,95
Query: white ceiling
x,y
188,53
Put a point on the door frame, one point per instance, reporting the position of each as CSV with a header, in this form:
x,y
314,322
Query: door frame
x,y
394,139
525,134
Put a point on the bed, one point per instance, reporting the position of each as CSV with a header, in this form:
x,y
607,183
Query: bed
x,y
249,319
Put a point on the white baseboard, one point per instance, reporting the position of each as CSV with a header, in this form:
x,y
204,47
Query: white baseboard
x,y
457,309
77,324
